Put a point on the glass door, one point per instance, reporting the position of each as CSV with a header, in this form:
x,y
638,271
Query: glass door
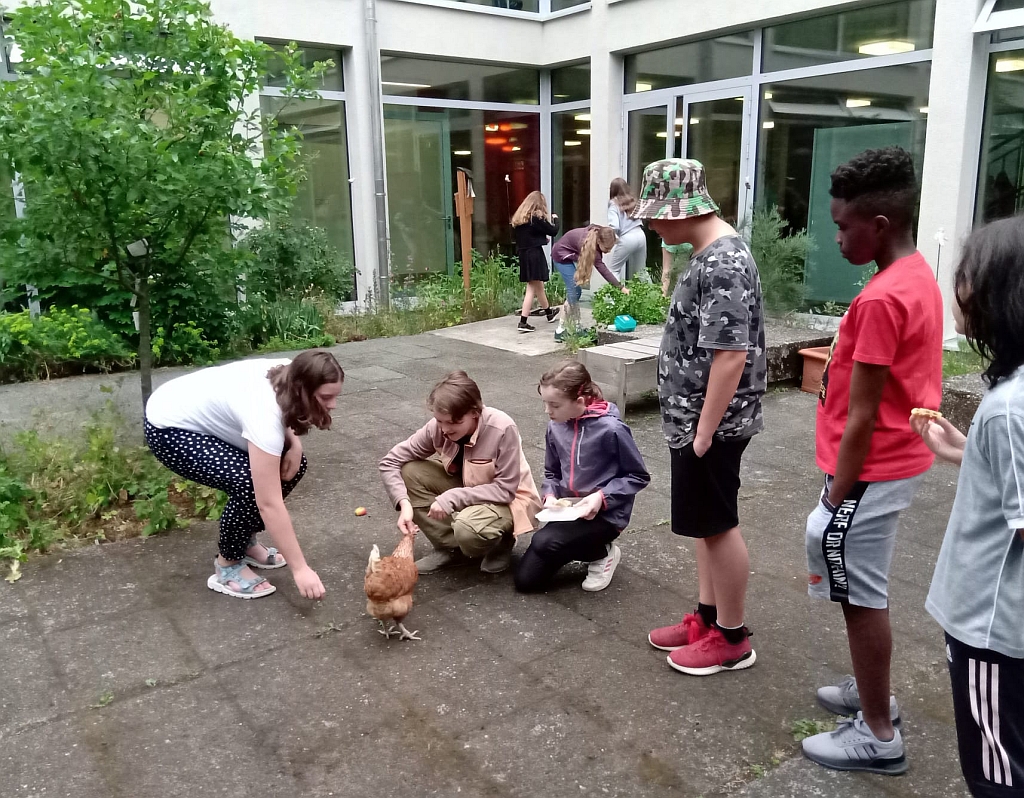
x,y
714,128
417,147
647,141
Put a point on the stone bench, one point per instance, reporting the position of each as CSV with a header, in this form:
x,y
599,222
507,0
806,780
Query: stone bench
x,y
628,367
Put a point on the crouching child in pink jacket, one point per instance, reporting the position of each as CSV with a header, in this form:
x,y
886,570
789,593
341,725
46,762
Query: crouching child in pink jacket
x,y
463,480
593,461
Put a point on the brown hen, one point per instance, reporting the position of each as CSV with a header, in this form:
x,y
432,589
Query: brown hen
x,y
389,584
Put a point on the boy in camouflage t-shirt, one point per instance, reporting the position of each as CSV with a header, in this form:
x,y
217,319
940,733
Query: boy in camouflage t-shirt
x,y
712,374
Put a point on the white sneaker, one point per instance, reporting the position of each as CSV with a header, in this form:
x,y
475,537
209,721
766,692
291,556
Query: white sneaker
x,y
600,572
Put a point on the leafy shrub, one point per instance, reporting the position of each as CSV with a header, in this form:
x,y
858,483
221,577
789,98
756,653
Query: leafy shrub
x,y
780,260
644,302
57,343
186,345
292,260
57,491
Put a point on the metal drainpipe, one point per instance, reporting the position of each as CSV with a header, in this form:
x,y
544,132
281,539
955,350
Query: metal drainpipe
x,y
383,294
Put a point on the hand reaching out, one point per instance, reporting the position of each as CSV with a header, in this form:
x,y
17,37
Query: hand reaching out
x,y
405,523
945,440
590,505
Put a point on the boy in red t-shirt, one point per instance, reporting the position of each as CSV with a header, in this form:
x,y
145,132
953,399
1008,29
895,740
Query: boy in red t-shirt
x,y
885,361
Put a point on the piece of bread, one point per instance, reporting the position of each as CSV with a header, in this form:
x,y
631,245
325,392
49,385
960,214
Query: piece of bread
x,y
563,503
924,412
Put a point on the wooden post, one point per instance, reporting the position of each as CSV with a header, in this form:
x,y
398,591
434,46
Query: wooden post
x,y
464,210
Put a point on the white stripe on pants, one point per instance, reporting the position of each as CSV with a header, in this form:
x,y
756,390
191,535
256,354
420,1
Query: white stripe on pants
x,y
984,689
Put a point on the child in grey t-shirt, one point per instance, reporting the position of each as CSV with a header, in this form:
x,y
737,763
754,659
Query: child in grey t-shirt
x,y
977,592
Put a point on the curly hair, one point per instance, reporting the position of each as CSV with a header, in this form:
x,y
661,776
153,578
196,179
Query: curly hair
x,y
879,183
534,205
989,288
296,385
597,237
455,396
571,378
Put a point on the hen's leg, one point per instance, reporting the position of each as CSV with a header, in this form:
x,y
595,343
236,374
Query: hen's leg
x,y
405,634
384,630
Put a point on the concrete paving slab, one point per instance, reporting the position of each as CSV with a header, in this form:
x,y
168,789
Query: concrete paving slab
x,y
32,688
501,333
506,695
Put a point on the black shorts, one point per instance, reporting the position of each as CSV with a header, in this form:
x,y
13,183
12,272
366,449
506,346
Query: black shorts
x,y
989,709
705,489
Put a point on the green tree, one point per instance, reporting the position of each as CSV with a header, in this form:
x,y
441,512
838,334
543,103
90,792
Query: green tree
x,y
139,146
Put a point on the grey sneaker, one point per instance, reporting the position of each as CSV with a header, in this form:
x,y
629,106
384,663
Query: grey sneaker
x,y
844,699
499,558
853,747
438,559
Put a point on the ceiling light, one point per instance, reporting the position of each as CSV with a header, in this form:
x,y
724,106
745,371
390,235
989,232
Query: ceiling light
x,y
561,96
739,99
923,109
491,128
572,143
695,121
583,132
888,47
516,149
495,140
768,125
857,103
768,95
582,117
679,121
641,86
405,85
1009,64
507,148
462,152
661,134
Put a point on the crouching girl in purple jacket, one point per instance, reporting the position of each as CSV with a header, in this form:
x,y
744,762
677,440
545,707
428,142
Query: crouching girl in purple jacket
x,y
591,458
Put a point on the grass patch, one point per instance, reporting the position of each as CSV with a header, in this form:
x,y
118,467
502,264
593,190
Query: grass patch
x,y
962,361
808,727
58,491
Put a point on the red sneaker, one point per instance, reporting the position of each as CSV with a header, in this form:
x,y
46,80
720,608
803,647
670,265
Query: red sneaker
x,y
711,654
689,630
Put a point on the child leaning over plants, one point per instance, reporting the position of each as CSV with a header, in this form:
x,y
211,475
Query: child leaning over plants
x,y
575,255
590,453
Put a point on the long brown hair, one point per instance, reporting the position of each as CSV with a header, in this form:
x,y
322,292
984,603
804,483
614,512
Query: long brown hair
x,y
571,378
296,385
622,195
455,396
603,237
533,205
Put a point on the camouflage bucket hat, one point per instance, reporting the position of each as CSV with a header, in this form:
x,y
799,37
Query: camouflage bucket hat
x,y
674,189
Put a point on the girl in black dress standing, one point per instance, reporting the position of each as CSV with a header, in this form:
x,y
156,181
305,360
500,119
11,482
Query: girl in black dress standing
x,y
532,225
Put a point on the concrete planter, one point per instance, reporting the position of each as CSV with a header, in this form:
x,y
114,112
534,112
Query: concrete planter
x,y
815,321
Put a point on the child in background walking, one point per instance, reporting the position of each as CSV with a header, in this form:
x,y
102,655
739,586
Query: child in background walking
x,y
533,224
590,452
977,592
575,255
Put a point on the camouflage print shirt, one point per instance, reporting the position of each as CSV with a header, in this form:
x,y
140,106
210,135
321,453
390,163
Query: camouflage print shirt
x,y
716,305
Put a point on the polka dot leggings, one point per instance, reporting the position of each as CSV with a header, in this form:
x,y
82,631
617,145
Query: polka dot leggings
x,y
216,464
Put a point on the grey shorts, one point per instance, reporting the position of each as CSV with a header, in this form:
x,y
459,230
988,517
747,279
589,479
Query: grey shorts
x,y
849,551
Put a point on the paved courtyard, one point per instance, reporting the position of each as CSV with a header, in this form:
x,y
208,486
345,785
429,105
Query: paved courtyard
x,y
123,676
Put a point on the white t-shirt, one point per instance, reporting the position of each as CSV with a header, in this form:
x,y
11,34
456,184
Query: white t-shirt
x,y
234,402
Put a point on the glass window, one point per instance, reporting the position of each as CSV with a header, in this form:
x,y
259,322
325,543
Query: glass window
x,y
861,33
647,143
559,5
449,80
323,199
333,79
514,5
423,149
1007,5
714,136
695,62
1001,176
810,126
570,84
1007,35
570,154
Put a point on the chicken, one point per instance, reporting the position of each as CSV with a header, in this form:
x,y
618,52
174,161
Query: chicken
x,y
389,584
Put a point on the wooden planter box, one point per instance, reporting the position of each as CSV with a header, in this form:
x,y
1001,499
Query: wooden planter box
x,y
814,366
